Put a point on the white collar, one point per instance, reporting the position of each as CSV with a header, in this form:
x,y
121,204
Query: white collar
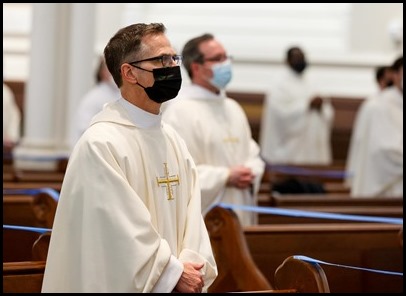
x,y
140,117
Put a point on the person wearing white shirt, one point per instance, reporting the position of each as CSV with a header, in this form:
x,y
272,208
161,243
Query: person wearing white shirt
x,y
296,122
129,214
375,159
216,130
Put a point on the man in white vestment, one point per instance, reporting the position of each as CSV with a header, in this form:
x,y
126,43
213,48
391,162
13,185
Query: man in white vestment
x,y
296,123
92,103
216,130
384,79
375,159
129,215
11,119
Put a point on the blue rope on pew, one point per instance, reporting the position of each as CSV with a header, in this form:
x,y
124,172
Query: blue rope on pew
x,y
311,214
33,191
288,169
301,213
27,228
311,260
287,212
300,257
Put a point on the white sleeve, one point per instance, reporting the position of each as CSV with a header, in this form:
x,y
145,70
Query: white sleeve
x,y
170,276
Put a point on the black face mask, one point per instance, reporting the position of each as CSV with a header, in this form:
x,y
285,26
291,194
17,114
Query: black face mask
x,y
299,66
167,84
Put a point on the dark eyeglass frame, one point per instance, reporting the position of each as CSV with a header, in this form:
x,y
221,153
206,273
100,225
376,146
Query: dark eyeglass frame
x,y
166,60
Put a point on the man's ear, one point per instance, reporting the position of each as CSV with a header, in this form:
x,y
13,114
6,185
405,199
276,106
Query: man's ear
x,y
128,74
194,67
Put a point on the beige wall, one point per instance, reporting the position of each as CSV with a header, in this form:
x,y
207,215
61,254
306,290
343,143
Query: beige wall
x,y
344,41
370,25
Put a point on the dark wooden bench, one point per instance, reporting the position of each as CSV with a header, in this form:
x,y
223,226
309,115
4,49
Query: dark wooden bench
x,y
292,276
345,112
298,276
370,214
36,209
31,175
302,276
252,104
239,273
23,277
38,176
18,244
310,172
30,185
314,200
329,203
366,245
236,269
26,276
329,178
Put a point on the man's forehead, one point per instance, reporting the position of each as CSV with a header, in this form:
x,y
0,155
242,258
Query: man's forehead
x,y
212,47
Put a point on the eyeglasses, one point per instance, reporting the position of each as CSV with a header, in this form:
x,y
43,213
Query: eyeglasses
x,y
219,58
166,60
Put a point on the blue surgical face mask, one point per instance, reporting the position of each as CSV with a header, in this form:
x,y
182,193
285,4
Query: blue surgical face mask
x,y
221,74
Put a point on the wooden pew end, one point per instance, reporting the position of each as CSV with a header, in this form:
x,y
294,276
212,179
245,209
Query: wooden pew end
x,y
305,277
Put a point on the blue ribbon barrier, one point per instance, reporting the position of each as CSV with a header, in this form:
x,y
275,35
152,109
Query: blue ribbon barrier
x,y
27,228
311,214
301,213
311,260
288,169
270,211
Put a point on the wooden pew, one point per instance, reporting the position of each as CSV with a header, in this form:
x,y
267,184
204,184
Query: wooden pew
x,y
329,203
38,176
375,212
366,245
345,112
8,169
329,178
27,276
306,172
31,175
30,185
18,244
252,104
56,175
292,276
313,200
31,209
236,269
305,277
239,273
23,277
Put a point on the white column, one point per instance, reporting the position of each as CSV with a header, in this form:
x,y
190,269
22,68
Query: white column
x,y
61,70
83,59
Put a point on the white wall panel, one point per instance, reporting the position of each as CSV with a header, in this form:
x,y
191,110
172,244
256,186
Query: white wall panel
x,y
339,39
